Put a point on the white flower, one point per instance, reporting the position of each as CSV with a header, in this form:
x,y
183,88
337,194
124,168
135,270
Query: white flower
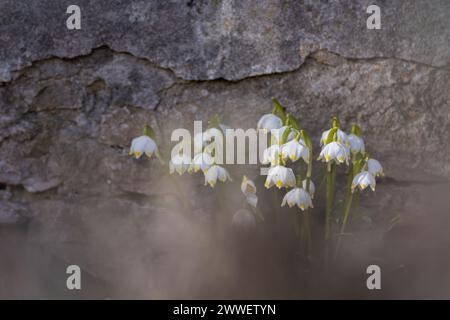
x,y
363,180
334,151
270,155
201,161
341,137
295,150
215,173
247,186
375,168
356,143
299,197
277,135
281,177
269,122
179,163
312,187
141,145
243,218
252,200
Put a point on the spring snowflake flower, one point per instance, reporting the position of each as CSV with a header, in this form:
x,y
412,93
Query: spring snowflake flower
x,y
363,180
281,177
299,197
243,218
375,168
295,150
341,137
269,122
201,161
270,155
277,135
141,145
247,186
312,187
215,173
180,164
356,143
335,151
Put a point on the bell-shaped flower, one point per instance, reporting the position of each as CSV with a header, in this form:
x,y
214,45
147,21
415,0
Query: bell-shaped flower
x,y
215,173
312,187
341,137
202,161
356,143
295,150
298,197
277,135
243,218
269,122
362,180
375,168
334,151
247,186
141,145
179,163
281,177
271,154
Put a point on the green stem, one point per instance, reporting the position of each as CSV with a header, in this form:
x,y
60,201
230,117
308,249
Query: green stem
x,y
347,207
329,201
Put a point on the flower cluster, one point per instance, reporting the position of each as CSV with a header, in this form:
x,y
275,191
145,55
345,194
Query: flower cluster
x,y
289,155
288,145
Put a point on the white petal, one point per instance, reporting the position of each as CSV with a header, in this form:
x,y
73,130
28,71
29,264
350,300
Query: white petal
x,y
269,122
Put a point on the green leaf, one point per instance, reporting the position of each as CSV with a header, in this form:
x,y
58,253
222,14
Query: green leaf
x,y
285,135
307,139
331,135
292,121
356,130
148,131
336,123
214,122
280,109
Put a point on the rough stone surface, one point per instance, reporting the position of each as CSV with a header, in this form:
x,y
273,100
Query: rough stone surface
x,y
71,101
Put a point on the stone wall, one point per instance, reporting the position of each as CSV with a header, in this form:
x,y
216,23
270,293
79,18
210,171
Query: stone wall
x,y
72,100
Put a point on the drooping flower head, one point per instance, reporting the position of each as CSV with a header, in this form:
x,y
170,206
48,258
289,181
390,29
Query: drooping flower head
x,y
312,187
356,143
179,163
277,135
141,145
299,197
271,154
335,151
269,122
341,137
247,186
215,173
280,176
202,161
375,168
295,150
362,180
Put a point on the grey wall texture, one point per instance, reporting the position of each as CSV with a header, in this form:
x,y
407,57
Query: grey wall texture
x,y
72,100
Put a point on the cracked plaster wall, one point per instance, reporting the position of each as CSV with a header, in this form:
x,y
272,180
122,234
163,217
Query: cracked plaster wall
x,y
71,101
